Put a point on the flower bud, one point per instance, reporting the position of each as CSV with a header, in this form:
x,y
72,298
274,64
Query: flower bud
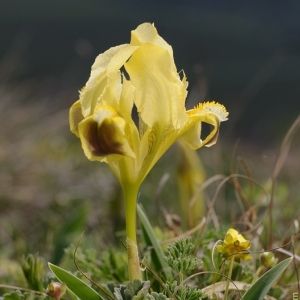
x,y
56,290
268,259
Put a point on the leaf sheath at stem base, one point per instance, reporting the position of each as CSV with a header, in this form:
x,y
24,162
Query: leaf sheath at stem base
x,y
133,261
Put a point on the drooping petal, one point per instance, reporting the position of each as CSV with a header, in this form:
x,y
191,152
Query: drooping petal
x,y
211,113
193,135
104,134
75,117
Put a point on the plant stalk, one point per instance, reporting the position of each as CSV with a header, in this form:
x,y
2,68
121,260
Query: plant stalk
x,y
130,192
229,276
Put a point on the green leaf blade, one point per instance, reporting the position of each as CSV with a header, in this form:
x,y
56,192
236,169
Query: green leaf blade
x,y
79,288
151,240
261,287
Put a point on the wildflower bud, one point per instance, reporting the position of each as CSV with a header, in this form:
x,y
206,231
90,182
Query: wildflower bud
x,y
56,290
268,259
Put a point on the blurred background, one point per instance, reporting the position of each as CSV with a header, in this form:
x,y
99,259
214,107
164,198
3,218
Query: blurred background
x,y
243,54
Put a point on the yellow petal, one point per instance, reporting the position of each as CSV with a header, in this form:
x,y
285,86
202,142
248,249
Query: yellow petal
x,y
220,248
104,134
75,117
215,108
232,232
245,256
245,245
115,80
147,33
230,237
105,74
193,135
97,81
126,99
211,113
158,88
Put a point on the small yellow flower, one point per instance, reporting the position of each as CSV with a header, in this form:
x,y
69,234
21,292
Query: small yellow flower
x,y
235,244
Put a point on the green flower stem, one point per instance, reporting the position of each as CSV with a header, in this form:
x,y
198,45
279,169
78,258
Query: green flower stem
x,y
130,192
229,276
256,275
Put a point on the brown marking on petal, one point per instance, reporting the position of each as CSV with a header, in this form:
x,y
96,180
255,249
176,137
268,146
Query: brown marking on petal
x,y
213,140
101,140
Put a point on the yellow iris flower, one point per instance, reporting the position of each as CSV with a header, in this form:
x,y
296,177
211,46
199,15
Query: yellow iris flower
x,y
235,244
138,77
148,79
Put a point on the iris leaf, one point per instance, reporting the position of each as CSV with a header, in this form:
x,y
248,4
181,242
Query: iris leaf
x,y
79,288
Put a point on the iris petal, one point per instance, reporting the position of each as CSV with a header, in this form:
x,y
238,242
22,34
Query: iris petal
x,y
75,117
158,94
147,33
103,134
97,81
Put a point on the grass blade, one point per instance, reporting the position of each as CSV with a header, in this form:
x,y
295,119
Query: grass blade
x,y
261,287
158,256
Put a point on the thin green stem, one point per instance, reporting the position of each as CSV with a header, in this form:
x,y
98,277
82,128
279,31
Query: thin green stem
x,y
256,275
229,276
130,192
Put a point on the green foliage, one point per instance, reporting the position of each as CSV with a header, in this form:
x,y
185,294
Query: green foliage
x,y
156,296
75,285
181,259
180,256
136,290
33,268
261,287
184,292
18,295
62,188
111,265
157,254
73,225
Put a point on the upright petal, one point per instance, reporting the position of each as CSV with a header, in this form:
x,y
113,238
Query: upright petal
x,y
105,74
97,81
158,88
147,33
